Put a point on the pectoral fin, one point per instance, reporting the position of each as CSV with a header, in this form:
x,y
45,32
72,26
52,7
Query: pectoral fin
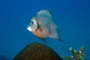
x,y
41,25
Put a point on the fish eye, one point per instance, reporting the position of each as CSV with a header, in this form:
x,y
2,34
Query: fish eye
x,y
32,22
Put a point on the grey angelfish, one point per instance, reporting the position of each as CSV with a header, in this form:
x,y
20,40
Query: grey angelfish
x,y
42,25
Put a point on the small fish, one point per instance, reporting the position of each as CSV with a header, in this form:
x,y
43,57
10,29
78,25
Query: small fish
x,y
42,26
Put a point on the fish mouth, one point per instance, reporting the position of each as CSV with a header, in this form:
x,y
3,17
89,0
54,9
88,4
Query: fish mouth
x,y
29,28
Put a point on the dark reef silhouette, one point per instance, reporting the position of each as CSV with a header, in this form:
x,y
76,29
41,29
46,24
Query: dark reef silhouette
x,y
37,51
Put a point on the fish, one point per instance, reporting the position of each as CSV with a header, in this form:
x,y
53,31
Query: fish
x,y
43,26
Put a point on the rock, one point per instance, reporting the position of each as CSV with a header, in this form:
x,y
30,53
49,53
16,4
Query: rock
x,y
37,51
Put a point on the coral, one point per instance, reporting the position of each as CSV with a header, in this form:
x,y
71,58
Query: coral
x,y
37,51
76,55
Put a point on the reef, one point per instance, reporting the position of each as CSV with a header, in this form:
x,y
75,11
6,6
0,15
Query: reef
x,y
76,55
37,51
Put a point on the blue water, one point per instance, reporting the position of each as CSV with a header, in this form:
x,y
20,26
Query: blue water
x,y
71,16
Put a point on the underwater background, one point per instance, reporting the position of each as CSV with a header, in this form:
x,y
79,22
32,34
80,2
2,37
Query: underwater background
x,y
71,16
